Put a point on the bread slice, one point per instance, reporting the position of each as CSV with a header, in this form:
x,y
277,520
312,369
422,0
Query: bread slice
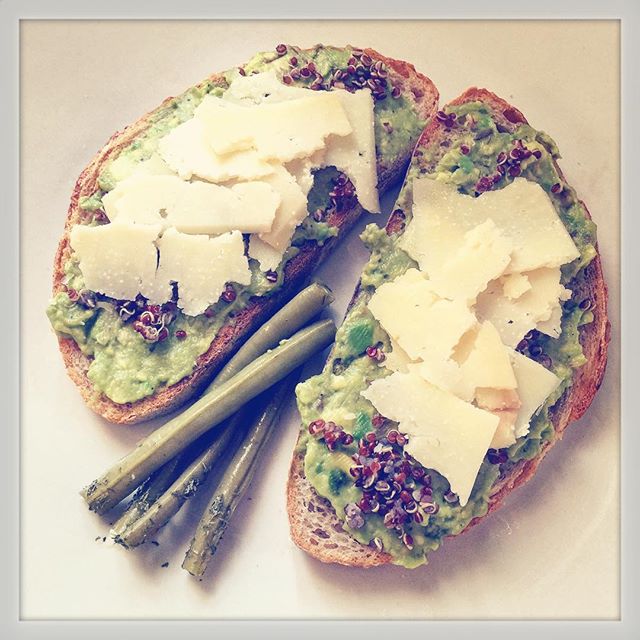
x,y
417,90
317,529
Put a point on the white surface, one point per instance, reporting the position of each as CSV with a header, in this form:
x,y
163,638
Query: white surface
x,y
551,552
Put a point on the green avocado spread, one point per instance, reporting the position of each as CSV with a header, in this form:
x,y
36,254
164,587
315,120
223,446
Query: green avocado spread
x,y
126,367
471,154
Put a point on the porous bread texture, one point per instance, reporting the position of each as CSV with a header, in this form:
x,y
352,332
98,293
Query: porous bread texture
x,y
415,87
314,525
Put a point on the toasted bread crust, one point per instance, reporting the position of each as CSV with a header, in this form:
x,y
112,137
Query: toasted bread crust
x,y
302,499
422,94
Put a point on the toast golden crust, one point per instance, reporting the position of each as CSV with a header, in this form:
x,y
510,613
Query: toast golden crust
x,y
594,338
422,94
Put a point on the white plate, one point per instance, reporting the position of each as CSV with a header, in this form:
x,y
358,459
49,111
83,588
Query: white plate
x,y
551,552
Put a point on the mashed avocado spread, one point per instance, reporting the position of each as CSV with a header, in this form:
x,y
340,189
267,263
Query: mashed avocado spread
x,y
126,367
469,161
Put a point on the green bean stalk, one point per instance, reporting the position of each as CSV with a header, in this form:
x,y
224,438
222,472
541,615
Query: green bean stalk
x,y
184,486
293,316
179,478
146,495
209,411
236,480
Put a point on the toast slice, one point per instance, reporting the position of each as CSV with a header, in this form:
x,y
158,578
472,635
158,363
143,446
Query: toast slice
x,y
418,94
315,526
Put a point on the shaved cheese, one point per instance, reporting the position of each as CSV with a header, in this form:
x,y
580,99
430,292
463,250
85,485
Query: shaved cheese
x,y
444,374
201,266
424,325
193,207
257,208
116,259
124,166
503,403
514,318
153,166
262,119
280,131
268,258
445,433
488,364
486,367
522,211
187,151
140,199
535,385
514,285
121,261
553,326
303,169
290,213
259,88
485,363
501,254
497,399
396,359
355,154
465,345
505,434
483,256
242,139
248,207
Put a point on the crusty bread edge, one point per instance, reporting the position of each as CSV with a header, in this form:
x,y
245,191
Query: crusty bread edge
x,y
594,338
424,96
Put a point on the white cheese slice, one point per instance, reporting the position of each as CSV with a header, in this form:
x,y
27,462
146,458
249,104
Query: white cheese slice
x,y
505,434
258,203
553,326
278,131
444,374
397,359
260,88
268,258
445,433
153,166
187,151
248,207
483,256
291,211
466,344
116,259
497,399
303,169
200,265
141,199
535,384
505,404
522,211
355,154
124,166
514,285
514,318
193,207
426,326
488,363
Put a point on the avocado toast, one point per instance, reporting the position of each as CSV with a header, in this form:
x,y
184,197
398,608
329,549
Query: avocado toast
x,y
126,374
466,144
